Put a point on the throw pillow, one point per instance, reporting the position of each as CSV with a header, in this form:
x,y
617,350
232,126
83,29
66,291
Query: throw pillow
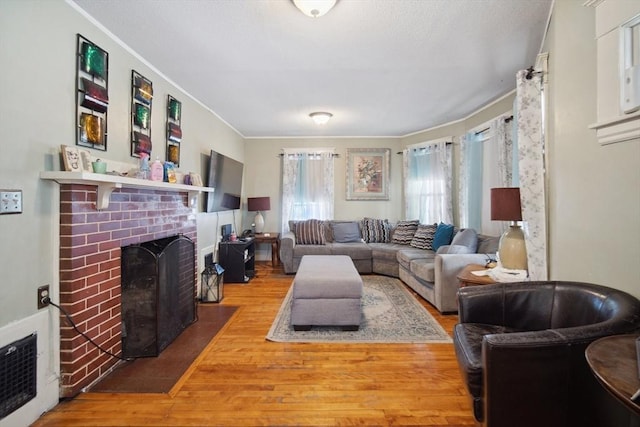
x,y
467,237
443,236
346,232
423,239
375,230
404,231
310,232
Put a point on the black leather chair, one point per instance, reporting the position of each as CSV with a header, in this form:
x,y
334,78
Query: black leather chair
x,y
520,347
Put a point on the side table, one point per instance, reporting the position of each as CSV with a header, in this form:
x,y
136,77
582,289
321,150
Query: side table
x,y
274,239
466,278
613,361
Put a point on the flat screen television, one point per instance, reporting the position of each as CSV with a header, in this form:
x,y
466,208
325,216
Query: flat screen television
x,y
225,175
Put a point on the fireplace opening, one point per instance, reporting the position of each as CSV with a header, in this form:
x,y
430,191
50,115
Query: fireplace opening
x,y
158,294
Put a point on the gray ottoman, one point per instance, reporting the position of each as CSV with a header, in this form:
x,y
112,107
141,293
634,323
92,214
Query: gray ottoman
x,y
326,292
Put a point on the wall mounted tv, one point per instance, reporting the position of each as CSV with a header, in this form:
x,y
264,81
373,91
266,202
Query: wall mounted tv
x,y
225,175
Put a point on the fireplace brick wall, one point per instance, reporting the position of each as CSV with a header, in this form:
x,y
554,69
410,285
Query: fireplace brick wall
x,y
90,276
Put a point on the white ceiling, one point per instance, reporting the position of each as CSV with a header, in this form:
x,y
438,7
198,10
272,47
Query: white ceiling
x,y
382,67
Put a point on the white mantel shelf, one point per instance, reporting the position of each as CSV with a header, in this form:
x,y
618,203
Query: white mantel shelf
x,y
106,183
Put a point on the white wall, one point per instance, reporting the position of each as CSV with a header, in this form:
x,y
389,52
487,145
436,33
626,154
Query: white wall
x,y
594,190
37,114
264,169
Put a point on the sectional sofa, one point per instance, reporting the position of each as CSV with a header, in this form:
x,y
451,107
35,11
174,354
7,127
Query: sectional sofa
x,y
404,250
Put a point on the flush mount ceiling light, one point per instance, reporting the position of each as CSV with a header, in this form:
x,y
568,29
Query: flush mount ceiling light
x,y
320,117
314,8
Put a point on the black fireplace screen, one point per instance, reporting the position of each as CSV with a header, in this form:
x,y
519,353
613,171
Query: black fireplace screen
x,y
158,294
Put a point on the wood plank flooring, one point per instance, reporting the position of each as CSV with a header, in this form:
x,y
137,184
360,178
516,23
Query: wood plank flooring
x,y
243,380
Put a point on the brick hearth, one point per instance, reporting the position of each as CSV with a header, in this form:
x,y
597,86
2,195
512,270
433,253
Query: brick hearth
x,y
90,243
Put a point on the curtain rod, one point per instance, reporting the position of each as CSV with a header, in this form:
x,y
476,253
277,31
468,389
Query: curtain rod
x,y
424,148
334,155
506,120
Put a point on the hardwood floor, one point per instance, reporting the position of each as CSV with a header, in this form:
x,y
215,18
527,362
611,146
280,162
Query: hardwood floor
x,y
243,380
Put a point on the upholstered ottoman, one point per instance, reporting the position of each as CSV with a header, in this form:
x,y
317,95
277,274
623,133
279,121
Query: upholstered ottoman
x,y
326,292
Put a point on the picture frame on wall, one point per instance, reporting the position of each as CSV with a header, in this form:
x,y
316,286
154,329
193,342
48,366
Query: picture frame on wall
x,y
367,172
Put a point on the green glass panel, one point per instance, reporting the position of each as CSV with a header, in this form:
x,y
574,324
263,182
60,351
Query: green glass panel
x,y
94,60
142,115
174,110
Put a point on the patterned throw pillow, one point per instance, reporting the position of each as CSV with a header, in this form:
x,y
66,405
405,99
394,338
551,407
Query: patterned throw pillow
x,y
375,230
404,231
423,239
310,232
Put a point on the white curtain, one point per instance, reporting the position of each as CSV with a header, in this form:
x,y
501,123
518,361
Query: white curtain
x,y
531,170
307,185
427,183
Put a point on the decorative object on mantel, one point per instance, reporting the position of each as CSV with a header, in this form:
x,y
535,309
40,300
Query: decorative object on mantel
x,y
368,173
174,130
141,102
92,93
505,206
75,159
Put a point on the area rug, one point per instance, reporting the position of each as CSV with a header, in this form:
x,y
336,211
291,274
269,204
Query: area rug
x,y
390,314
159,374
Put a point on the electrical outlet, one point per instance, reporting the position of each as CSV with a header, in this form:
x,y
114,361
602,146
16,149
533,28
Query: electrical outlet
x,y
43,296
10,201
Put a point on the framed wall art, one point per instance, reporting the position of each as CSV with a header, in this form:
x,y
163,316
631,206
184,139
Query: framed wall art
x,y
92,92
174,130
141,102
368,173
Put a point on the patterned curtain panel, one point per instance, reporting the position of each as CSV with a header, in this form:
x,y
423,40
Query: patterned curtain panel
x,y
531,171
427,175
307,186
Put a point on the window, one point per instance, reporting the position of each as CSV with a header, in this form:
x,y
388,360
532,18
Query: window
x,y
307,185
427,182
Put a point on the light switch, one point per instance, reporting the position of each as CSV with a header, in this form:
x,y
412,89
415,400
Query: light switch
x,y
10,201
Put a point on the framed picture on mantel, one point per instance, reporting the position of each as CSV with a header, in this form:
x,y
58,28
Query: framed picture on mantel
x,y
368,173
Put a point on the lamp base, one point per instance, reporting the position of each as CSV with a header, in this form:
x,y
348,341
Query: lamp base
x,y
259,221
512,249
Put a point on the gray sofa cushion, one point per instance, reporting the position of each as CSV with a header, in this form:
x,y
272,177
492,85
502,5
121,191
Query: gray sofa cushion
x,y
453,249
388,251
405,256
356,250
487,244
346,232
301,250
424,268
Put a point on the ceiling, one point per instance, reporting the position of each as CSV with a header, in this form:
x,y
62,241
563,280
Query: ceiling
x,y
382,67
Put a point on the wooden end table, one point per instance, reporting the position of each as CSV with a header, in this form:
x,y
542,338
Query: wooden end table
x,y
274,240
614,362
466,278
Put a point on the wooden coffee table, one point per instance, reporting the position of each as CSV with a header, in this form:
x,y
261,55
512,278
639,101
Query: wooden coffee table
x,y
466,278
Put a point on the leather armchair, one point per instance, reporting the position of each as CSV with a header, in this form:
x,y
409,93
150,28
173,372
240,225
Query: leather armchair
x,y
520,347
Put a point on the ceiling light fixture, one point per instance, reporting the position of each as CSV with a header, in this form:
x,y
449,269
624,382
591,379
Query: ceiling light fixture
x,y
314,8
320,117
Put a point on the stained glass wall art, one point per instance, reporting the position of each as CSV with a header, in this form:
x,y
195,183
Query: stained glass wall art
x,y
141,108
174,129
92,93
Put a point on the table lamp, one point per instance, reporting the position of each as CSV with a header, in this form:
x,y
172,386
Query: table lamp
x,y
258,204
505,206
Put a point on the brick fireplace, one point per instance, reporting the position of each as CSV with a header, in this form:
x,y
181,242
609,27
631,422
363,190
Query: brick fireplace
x,y
90,272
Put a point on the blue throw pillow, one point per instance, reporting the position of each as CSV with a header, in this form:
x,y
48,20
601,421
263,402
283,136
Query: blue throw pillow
x,y
443,236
